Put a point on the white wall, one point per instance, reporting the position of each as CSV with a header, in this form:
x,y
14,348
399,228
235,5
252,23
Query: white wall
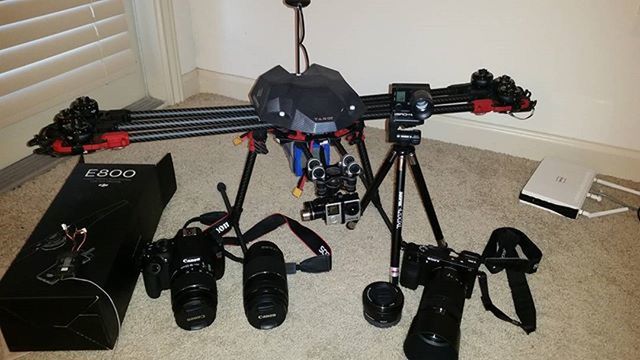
x,y
579,58
184,33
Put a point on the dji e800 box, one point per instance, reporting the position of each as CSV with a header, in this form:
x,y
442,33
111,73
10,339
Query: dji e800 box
x,y
70,285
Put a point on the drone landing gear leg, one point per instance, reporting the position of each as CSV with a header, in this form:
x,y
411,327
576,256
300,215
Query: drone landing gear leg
x,y
256,146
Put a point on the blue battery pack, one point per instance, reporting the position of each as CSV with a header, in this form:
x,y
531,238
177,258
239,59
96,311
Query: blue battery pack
x,y
297,160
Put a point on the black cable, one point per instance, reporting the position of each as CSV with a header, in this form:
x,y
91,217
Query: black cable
x,y
301,36
233,257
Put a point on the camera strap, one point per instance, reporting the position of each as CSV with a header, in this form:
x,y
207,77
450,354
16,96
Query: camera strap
x,y
218,222
501,253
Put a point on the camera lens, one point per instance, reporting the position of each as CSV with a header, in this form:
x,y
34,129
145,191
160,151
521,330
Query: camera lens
x,y
382,302
312,210
194,299
194,295
435,330
265,292
352,208
421,104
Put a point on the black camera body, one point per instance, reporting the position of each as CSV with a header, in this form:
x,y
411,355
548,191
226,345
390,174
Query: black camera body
x,y
188,265
337,209
448,278
421,261
411,105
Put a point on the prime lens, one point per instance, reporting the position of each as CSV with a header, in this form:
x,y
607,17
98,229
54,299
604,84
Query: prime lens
x,y
265,291
435,330
382,303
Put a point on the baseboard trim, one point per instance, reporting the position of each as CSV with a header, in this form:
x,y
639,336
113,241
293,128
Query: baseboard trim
x,y
606,159
233,86
190,83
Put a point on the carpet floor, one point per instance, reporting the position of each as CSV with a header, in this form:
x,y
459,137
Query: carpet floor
x,y
586,291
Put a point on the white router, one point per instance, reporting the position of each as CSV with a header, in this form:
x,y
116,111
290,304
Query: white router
x,y
561,187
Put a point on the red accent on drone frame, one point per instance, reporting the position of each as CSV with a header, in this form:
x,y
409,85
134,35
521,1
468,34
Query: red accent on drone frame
x,y
483,106
110,140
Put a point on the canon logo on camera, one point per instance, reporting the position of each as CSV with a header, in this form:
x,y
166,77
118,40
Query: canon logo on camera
x,y
266,316
110,173
190,260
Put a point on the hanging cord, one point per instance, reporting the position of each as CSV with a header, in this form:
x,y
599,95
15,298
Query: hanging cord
x,y
301,35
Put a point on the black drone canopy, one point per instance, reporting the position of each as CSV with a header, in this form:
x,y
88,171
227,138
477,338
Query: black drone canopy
x,y
317,101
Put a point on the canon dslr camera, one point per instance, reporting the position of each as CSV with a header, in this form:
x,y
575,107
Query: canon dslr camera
x,y
448,278
189,265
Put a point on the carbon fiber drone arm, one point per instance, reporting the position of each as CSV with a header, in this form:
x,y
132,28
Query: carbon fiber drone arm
x,y
84,128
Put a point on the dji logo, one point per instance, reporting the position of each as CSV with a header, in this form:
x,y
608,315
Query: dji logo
x,y
561,179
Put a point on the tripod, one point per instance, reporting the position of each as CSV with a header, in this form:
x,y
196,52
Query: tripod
x,y
399,152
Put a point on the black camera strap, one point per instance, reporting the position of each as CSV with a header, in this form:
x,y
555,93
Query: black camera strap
x,y
218,222
501,253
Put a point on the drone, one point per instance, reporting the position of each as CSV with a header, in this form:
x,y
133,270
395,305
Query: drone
x,y
307,112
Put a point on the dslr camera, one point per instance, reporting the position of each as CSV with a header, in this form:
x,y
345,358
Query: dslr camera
x,y
448,278
337,209
411,105
188,265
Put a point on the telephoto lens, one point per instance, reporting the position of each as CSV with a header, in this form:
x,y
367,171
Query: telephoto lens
x,y
382,302
265,291
435,330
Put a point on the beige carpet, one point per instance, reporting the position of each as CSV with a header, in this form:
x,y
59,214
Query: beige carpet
x,y
586,290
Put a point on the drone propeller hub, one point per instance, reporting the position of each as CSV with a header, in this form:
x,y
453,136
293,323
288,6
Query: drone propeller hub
x,y
317,101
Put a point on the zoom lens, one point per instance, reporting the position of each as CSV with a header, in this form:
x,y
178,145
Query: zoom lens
x,y
194,295
194,299
265,291
435,330
382,302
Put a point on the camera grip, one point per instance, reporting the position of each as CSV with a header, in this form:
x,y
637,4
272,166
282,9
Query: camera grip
x,y
151,277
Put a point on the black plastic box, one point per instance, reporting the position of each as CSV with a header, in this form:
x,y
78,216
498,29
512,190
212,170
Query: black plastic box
x,y
65,291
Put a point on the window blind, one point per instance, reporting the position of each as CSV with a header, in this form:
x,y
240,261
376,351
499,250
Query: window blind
x,y
53,50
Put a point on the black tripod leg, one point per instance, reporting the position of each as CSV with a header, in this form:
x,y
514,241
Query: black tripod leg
x,y
244,184
377,180
426,199
398,210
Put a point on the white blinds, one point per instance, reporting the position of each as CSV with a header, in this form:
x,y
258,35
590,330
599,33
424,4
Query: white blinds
x,y
53,49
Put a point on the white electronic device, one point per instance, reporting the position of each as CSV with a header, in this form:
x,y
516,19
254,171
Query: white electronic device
x,y
558,186
561,187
